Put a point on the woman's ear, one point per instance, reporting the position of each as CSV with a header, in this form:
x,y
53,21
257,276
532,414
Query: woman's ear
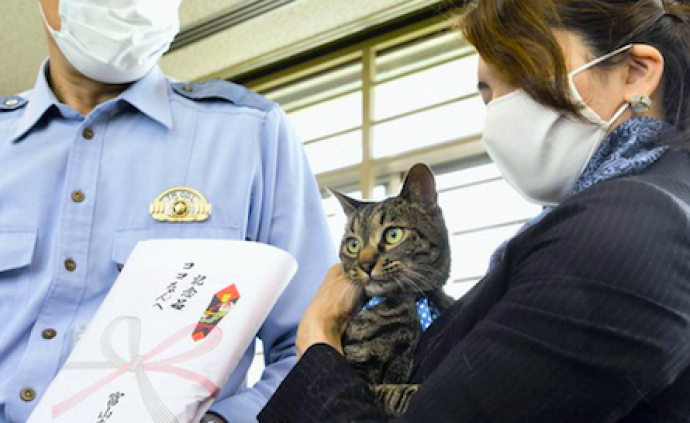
x,y
644,74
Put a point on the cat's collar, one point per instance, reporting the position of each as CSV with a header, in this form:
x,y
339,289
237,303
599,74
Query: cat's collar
x,y
426,310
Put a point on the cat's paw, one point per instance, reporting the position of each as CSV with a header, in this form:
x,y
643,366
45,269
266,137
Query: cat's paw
x,y
393,398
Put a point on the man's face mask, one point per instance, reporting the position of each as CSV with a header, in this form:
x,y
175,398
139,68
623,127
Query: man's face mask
x,y
115,41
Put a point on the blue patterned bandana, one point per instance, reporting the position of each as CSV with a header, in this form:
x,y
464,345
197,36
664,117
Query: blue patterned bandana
x,y
628,150
426,310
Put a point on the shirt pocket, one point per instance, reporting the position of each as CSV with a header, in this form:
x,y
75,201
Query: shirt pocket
x,y
126,239
17,248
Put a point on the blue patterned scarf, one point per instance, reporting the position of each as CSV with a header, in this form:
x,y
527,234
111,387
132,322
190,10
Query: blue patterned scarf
x,y
628,150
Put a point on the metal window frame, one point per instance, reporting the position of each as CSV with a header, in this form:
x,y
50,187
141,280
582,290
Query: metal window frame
x,y
370,170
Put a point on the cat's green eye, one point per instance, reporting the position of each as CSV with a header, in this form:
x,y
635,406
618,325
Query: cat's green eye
x,y
352,246
394,235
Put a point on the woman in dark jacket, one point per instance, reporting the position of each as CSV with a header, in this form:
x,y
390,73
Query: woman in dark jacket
x,y
585,314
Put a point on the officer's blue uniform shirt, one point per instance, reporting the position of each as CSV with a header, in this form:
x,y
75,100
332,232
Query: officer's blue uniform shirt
x,y
234,147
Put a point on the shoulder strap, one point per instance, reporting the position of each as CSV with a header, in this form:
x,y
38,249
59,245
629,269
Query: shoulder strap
x,y
12,102
222,90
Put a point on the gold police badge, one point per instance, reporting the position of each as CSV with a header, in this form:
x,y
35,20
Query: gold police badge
x,y
180,204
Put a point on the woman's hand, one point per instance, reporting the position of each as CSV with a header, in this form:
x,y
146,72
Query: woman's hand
x,y
325,319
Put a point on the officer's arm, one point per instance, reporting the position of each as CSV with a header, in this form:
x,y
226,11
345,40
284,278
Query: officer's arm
x,y
291,218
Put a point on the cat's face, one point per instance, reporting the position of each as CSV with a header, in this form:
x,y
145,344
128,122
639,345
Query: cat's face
x,y
398,246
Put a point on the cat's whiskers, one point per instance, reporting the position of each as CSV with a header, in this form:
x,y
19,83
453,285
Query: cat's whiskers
x,y
423,281
406,282
414,279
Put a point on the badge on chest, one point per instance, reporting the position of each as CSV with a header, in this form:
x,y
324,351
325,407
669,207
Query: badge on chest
x,y
180,204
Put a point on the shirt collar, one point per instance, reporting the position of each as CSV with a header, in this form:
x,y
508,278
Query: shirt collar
x,y
150,95
40,99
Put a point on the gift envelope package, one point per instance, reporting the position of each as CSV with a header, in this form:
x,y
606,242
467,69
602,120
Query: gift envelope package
x,y
169,333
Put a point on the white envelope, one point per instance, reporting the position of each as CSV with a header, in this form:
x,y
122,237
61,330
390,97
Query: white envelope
x,y
163,342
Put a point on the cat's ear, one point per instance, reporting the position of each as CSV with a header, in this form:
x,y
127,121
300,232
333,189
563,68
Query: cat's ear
x,y
349,205
420,186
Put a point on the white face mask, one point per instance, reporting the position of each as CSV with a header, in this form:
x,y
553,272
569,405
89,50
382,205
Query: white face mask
x,y
540,152
115,41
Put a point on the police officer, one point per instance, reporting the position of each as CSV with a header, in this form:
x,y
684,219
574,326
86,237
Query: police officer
x,y
102,137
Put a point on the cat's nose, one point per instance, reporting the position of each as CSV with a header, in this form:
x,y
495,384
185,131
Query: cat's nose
x,y
367,267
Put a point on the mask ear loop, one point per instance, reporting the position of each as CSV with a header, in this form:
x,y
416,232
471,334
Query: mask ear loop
x,y
591,64
599,60
618,114
45,20
595,62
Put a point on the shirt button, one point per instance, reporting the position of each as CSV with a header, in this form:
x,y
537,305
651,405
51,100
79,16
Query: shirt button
x,y
78,196
87,133
49,334
27,394
70,265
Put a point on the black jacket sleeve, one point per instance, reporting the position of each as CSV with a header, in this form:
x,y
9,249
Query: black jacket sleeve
x,y
595,319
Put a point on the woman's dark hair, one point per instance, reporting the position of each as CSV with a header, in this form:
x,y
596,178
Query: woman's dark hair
x,y
515,37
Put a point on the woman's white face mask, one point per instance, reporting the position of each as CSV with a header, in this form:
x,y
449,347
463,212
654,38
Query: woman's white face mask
x,y
541,152
115,41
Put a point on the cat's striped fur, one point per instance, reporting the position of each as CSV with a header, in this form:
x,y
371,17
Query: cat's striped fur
x,y
397,249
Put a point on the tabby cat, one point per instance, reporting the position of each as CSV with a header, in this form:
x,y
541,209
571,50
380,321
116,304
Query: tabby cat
x,y
397,250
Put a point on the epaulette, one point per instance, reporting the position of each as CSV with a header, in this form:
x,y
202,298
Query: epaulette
x,y
12,102
223,90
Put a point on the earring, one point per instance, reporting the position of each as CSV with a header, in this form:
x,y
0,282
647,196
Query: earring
x,y
641,103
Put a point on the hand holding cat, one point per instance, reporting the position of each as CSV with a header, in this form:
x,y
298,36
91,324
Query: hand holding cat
x,y
326,317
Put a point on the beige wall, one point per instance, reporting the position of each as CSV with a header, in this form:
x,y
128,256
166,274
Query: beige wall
x,y
294,28
288,30
22,46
